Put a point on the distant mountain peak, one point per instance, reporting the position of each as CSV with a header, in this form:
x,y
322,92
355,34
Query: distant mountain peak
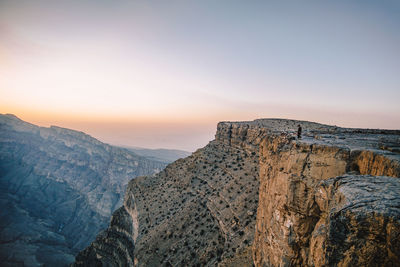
x,y
12,116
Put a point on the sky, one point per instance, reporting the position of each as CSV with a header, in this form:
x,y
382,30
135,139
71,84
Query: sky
x,y
164,73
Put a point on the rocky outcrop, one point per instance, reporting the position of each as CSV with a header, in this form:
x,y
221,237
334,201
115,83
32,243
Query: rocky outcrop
x,y
359,222
291,216
58,189
201,210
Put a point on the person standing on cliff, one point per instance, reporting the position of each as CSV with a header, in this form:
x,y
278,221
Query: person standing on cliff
x,y
299,132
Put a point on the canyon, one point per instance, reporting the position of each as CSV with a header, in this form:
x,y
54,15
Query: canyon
x,y
58,189
258,195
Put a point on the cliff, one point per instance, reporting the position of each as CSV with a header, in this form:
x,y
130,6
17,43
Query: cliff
x,y
309,214
58,189
257,195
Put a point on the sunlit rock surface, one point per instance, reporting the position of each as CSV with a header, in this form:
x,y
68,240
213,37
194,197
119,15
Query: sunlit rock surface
x,y
359,222
297,227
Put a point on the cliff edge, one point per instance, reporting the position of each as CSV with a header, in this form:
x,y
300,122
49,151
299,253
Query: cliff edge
x,y
258,195
309,214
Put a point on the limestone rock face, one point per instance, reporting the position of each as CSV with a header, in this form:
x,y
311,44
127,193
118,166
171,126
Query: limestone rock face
x,y
359,222
58,188
291,173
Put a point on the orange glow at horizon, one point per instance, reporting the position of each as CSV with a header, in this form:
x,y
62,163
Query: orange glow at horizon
x,y
190,132
163,75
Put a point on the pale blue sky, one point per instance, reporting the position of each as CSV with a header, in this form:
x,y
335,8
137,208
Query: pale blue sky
x,y
190,64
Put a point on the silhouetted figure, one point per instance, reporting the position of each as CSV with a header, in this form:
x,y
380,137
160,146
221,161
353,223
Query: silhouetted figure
x,y
299,132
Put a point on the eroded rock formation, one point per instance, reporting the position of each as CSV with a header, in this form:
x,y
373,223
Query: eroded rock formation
x,y
292,228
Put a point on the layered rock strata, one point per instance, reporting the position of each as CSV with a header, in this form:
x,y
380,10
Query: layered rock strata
x,y
298,224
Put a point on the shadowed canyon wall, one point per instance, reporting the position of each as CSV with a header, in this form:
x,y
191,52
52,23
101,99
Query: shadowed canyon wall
x,y
58,188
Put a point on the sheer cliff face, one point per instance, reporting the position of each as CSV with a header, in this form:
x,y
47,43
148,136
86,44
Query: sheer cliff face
x,y
58,188
201,210
306,217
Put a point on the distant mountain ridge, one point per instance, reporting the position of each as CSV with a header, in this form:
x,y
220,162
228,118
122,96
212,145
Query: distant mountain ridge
x,y
160,154
58,188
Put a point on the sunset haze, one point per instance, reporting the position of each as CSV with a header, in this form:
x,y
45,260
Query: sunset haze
x,y
162,74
